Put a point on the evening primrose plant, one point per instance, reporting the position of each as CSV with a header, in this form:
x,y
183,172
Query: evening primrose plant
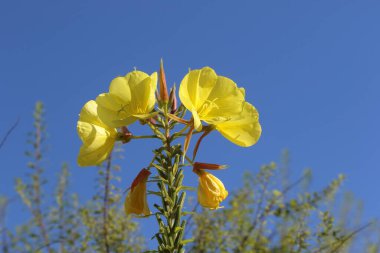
x,y
213,102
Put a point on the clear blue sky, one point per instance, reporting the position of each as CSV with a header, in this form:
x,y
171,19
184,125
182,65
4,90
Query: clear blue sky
x,y
310,67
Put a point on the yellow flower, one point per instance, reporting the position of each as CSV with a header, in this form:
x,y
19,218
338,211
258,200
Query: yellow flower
x,y
211,190
130,97
98,139
135,202
218,101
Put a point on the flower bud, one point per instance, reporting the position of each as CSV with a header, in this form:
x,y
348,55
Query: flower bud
x,y
125,135
207,166
211,190
163,87
173,100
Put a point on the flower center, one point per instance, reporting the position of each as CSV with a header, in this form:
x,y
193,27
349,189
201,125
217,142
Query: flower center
x,y
122,112
207,106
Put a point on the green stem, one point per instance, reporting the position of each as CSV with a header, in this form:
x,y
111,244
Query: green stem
x,y
36,182
189,160
106,204
169,217
143,137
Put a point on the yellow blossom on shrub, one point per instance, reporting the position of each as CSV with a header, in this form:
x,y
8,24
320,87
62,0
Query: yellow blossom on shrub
x,y
218,101
135,202
211,190
98,139
130,97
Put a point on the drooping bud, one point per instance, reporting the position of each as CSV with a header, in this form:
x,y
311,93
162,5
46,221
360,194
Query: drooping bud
x,y
173,100
164,97
211,191
136,201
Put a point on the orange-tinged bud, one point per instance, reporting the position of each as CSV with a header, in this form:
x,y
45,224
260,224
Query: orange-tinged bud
x,y
207,166
125,135
164,97
211,191
135,202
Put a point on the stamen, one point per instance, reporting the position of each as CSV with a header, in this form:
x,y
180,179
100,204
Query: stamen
x,y
208,106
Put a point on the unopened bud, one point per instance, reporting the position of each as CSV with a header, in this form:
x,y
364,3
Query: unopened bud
x,y
125,130
211,191
125,135
207,166
152,121
173,100
164,97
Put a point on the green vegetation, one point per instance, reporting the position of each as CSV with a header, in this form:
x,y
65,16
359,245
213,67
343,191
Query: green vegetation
x,y
268,214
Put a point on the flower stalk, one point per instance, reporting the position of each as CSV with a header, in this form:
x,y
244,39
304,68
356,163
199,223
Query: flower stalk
x,y
169,213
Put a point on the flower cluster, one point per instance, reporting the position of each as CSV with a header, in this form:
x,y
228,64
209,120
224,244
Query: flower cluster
x,y
215,103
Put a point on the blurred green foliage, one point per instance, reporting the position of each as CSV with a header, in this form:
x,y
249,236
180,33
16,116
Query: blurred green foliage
x,y
59,222
268,214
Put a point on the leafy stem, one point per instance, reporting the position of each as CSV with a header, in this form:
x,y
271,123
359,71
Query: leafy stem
x,y
171,226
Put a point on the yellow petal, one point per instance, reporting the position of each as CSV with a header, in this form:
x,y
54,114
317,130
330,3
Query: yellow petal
x,y
188,89
133,78
152,97
111,102
120,88
197,121
196,86
242,90
91,156
115,118
90,133
225,100
206,83
243,130
113,111
209,97
89,114
142,96
98,138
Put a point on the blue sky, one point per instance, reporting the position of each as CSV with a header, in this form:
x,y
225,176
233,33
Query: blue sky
x,y
310,67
